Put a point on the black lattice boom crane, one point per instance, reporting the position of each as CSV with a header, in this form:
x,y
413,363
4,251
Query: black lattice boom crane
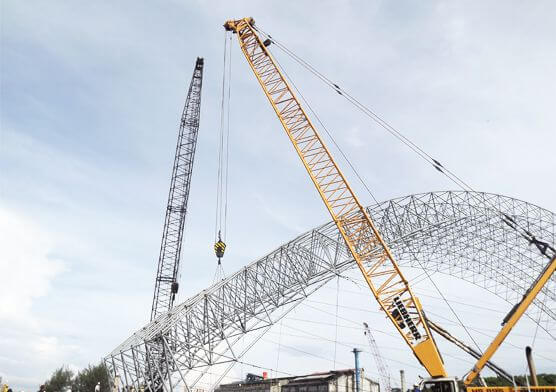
x,y
166,283
379,362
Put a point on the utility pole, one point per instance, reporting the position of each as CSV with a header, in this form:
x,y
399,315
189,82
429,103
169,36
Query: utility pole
x,y
532,369
356,352
402,380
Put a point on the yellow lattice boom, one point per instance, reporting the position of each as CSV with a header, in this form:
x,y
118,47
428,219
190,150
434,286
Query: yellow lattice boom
x,y
379,268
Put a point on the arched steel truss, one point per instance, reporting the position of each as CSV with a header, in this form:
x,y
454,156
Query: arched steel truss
x,y
456,233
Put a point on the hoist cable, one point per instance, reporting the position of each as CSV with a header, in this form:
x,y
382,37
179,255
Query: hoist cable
x,y
222,187
219,274
327,132
370,113
336,327
411,145
228,134
419,151
543,247
279,346
218,215
543,303
450,306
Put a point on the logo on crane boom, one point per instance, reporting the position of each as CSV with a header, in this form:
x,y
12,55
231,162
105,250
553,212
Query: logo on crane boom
x,y
403,318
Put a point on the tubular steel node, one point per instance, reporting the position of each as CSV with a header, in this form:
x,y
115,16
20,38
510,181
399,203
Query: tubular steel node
x,y
461,234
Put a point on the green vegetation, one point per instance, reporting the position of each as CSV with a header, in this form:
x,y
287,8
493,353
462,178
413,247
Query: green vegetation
x,y
60,380
84,381
543,379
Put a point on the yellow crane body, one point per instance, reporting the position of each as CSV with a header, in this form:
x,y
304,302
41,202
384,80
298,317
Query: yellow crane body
x,y
370,252
515,315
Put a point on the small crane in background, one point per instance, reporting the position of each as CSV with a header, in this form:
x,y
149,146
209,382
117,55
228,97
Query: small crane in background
x,y
381,366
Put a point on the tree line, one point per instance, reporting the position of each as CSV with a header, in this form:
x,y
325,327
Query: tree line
x,y
63,379
545,379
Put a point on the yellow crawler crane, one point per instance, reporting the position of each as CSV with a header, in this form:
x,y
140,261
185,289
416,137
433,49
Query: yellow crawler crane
x,y
371,253
379,268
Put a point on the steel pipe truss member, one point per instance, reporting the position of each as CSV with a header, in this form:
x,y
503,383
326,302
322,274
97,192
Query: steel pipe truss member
x,y
459,234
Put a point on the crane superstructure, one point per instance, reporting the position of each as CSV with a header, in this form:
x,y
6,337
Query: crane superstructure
x,y
166,283
380,364
369,250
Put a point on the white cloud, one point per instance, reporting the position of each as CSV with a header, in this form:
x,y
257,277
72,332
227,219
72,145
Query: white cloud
x,y
25,266
27,272
91,99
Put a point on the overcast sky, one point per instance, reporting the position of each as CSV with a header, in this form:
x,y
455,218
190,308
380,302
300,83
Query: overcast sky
x,y
91,96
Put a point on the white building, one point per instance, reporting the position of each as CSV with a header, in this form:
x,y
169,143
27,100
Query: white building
x,y
331,381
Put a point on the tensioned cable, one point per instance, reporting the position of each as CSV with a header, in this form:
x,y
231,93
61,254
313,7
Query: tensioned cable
x,y
279,345
218,214
451,308
222,187
419,151
226,187
349,345
367,111
368,190
414,147
345,344
357,325
329,359
327,132
414,283
336,329
360,328
380,312
221,214
479,331
538,321
411,145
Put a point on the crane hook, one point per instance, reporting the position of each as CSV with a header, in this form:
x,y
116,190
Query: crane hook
x,y
219,247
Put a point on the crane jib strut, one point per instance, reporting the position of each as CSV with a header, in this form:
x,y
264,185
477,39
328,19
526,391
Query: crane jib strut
x,y
166,283
379,268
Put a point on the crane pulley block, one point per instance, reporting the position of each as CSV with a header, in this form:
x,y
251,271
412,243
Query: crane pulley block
x,y
219,248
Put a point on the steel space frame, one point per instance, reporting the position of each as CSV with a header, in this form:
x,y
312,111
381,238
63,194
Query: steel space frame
x,y
453,232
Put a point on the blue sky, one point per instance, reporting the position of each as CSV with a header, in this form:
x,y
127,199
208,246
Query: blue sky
x,y
91,94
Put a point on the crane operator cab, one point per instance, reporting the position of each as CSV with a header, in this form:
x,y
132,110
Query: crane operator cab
x,y
444,384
